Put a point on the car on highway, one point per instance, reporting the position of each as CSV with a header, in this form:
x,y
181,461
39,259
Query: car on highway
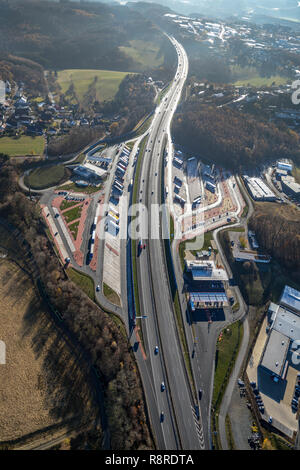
x,y
200,393
163,387
98,288
162,417
156,350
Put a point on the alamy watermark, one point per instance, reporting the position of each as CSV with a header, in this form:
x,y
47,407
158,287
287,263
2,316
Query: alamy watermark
x,y
296,93
2,352
152,224
2,91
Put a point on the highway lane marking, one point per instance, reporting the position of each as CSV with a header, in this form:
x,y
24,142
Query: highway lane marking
x,y
198,428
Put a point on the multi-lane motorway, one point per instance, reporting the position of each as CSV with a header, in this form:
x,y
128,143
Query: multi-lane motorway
x,y
180,428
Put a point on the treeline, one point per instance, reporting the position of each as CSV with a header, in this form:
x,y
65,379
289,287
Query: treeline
x,y
134,99
74,141
72,34
17,69
94,329
230,138
278,232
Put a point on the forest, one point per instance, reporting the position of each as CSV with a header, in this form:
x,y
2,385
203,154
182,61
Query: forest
x,y
277,229
18,69
74,141
134,99
230,138
96,332
69,35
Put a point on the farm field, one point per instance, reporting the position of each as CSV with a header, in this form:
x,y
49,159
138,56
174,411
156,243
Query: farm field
x,y
41,383
144,52
107,84
249,75
24,145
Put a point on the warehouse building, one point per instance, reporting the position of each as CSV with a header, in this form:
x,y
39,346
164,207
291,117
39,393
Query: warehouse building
x,y
285,166
290,187
290,299
283,329
258,189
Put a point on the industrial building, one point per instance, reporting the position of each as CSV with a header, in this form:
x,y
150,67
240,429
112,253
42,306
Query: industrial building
x,y
280,173
258,189
290,299
285,166
86,173
283,329
290,187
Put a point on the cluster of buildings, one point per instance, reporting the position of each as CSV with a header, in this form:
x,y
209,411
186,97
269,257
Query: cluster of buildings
x,y
207,284
288,184
38,116
276,370
259,39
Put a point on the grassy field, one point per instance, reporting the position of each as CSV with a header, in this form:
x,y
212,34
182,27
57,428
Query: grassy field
x,y
83,281
73,214
74,229
111,295
67,204
107,84
20,146
249,75
77,189
42,384
227,350
45,177
144,52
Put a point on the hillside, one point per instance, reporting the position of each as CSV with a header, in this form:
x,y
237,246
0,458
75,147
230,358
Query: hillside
x,y
278,231
230,138
71,35
18,69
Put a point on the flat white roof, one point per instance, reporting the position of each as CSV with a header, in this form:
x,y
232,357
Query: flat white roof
x,y
274,355
206,270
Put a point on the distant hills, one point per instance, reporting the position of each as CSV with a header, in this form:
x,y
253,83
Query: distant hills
x,y
286,9
72,34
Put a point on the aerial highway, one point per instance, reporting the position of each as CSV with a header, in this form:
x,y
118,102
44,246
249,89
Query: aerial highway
x,y
180,428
